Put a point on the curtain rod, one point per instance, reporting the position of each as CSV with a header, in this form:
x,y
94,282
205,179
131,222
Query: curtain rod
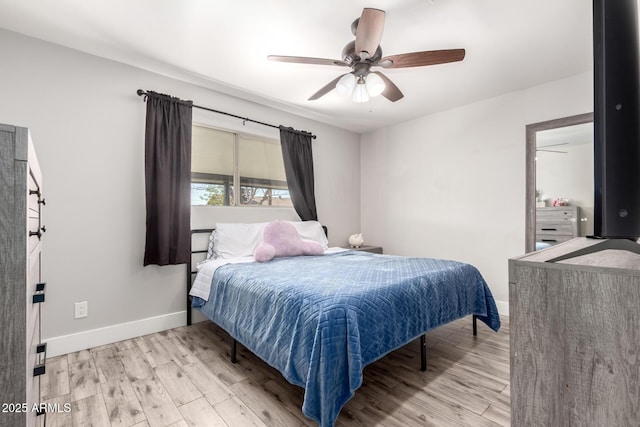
x,y
140,92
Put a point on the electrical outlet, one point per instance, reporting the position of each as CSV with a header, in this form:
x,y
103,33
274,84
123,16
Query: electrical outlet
x,y
82,309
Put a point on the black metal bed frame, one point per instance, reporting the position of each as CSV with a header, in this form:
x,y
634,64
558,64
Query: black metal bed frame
x,y
191,272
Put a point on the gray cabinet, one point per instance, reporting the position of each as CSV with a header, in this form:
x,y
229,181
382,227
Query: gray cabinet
x,y
575,337
21,289
557,224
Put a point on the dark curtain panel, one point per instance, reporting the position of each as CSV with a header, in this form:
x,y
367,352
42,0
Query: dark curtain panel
x,y
298,167
168,180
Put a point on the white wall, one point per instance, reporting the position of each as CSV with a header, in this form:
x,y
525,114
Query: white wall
x,y
452,185
564,175
87,124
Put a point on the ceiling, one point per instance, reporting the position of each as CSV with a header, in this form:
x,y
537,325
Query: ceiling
x,y
564,136
223,45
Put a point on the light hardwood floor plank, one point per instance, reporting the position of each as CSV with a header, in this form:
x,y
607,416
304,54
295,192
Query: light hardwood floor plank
x,y
177,350
60,417
200,413
83,379
135,364
122,404
55,381
177,383
236,413
265,406
153,350
498,415
156,402
90,412
207,382
109,365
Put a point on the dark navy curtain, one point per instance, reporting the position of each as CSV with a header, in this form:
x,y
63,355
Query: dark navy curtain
x,y
168,180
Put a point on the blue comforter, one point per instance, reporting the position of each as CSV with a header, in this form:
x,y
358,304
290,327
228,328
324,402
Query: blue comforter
x,y
320,320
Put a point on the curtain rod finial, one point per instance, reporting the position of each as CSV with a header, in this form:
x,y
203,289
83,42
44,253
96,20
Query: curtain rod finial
x,y
140,92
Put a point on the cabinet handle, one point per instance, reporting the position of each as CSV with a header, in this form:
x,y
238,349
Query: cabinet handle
x,y
42,201
43,228
37,192
39,370
549,229
549,240
42,349
36,233
38,296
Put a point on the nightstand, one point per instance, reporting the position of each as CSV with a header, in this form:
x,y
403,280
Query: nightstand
x,y
372,249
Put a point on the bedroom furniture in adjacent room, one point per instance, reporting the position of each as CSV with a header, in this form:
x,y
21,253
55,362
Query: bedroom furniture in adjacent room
x,y
372,249
557,224
320,320
575,337
21,353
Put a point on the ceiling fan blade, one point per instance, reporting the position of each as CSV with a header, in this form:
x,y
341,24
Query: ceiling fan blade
x,y
553,145
369,32
306,60
419,59
325,89
391,91
552,151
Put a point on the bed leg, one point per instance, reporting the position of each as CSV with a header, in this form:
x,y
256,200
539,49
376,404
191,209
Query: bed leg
x,y
233,352
475,325
423,352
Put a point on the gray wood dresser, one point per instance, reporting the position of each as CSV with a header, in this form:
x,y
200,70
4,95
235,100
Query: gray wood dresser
x,y
575,337
22,356
557,224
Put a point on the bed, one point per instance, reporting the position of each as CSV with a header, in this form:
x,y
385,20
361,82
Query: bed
x,y
320,320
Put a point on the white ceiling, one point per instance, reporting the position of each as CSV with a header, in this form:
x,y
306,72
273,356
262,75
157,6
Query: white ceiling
x,y
567,135
510,45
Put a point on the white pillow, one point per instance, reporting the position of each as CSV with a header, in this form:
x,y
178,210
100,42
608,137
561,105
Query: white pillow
x,y
231,240
311,230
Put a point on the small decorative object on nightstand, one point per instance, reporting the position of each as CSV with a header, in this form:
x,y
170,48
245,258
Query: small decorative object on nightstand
x,y
356,240
372,249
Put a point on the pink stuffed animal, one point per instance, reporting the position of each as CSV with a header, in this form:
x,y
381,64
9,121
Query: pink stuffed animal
x,y
281,239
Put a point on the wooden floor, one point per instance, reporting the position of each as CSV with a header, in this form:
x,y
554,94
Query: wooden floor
x,y
183,377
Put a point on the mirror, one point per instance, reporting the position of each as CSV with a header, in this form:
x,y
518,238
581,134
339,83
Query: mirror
x,y
559,171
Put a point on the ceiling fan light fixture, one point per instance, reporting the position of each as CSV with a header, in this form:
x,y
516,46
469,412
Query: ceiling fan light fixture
x,y
375,84
346,84
360,93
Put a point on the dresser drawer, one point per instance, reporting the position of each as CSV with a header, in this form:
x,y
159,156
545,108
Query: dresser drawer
x,y
565,213
554,227
553,239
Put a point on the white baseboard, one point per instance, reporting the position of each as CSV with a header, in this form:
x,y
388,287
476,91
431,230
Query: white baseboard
x,y
503,307
110,334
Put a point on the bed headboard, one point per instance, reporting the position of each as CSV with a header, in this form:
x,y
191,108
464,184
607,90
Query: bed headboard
x,y
190,270
195,251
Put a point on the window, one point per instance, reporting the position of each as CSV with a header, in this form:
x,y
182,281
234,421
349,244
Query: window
x,y
231,169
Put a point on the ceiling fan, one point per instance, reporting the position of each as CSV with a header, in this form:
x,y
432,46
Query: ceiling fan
x,y
546,148
364,53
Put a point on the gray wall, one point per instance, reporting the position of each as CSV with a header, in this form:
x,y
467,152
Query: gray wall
x,y
87,125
